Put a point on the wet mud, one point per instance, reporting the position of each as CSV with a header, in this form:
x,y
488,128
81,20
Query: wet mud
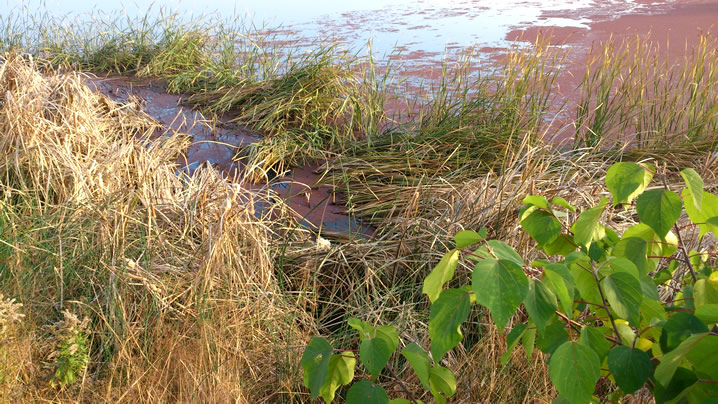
x,y
216,143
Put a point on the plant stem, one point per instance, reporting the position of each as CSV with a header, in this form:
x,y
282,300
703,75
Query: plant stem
x,y
403,387
681,245
605,304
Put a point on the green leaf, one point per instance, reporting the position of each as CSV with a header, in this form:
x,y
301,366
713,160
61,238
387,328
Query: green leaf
x,y
389,334
554,336
708,313
630,367
366,392
626,181
624,295
680,326
374,354
704,357
540,225
504,252
621,264
341,372
586,284
528,341
659,208
558,278
593,338
694,182
587,229
574,369
419,361
365,330
705,292
681,382
708,210
562,202
442,273
563,245
670,361
500,285
447,314
442,383
466,238
633,249
540,303
511,341
315,362
536,200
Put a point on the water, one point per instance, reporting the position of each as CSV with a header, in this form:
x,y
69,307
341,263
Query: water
x,y
426,27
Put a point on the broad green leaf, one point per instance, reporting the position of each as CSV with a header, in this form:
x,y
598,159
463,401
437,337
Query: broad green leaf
x,y
593,338
694,182
680,326
374,354
652,310
633,249
708,210
466,238
704,357
626,181
705,292
562,245
681,382
554,336
649,289
562,202
315,362
390,335
659,208
622,264
587,229
499,285
365,329
558,278
574,369
628,336
442,273
447,314
586,284
511,341
442,383
419,361
670,361
630,367
540,225
366,392
540,303
504,252
536,200
341,372
708,313
528,341
624,295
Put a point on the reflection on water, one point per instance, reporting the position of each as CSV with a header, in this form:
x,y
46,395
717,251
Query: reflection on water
x,y
429,26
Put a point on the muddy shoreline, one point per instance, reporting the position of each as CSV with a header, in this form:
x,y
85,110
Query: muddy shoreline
x,y
680,24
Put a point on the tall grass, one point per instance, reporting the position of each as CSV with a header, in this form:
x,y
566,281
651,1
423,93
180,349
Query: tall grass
x,y
634,92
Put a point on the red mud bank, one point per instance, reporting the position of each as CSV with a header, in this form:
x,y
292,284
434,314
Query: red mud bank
x,y
216,143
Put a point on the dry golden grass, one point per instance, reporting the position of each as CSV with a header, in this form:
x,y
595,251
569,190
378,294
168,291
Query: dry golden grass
x,y
175,274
